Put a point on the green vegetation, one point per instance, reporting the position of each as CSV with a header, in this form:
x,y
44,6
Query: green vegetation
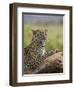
x,y
54,36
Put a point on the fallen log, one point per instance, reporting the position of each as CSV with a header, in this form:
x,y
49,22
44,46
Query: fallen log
x,y
52,64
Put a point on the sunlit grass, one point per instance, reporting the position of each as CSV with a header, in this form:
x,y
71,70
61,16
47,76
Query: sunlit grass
x,y
54,36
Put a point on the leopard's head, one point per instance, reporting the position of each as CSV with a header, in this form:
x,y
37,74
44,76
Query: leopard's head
x,y
39,37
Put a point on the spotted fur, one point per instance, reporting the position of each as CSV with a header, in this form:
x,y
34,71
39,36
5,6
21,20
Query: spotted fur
x,y
35,51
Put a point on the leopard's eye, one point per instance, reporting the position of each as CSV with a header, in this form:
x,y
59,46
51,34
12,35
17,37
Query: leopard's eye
x,y
37,34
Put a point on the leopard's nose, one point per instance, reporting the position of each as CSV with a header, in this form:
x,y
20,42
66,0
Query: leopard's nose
x,y
40,42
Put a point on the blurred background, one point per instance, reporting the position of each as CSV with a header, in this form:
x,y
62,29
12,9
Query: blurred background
x,y
54,25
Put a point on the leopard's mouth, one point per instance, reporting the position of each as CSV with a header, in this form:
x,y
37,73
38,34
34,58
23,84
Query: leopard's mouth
x,y
43,45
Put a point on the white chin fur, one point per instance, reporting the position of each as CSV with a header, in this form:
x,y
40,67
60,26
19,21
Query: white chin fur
x,y
43,51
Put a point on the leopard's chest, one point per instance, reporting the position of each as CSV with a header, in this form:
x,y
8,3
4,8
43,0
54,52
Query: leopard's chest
x,y
41,51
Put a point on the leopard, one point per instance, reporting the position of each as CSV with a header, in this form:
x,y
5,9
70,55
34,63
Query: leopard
x,y
35,51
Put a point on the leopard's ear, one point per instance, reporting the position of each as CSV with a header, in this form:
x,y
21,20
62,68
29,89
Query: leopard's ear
x,y
46,31
33,32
